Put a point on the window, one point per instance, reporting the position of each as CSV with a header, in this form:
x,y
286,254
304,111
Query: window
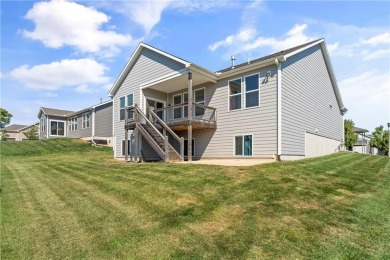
x,y
243,145
199,99
57,128
185,101
186,147
252,91
123,102
130,147
43,124
72,123
86,120
177,112
235,94
122,105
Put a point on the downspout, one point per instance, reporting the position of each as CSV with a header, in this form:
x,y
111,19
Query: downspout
x,y
279,108
93,125
47,126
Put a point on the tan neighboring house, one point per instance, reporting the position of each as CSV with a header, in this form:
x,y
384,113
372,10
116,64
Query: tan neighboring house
x,y
16,132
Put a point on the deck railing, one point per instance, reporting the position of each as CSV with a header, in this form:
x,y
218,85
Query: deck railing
x,y
180,112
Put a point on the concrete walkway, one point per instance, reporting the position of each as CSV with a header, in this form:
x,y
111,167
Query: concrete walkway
x,y
231,162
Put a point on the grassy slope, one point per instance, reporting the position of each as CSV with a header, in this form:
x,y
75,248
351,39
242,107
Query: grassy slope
x,y
83,204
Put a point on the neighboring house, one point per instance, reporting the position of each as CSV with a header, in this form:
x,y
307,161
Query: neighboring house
x,y
16,132
285,106
362,145
93,123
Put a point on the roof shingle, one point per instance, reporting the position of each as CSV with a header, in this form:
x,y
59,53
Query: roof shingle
x,y
273,55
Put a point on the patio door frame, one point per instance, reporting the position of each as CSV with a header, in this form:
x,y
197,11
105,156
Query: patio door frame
x,y
155,100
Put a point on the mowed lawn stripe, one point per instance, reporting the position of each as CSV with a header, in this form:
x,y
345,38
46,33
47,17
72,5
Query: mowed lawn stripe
x,y
328,207
156,197
54,210
101,215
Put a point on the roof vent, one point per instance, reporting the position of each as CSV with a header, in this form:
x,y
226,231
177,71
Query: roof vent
x,y
233,60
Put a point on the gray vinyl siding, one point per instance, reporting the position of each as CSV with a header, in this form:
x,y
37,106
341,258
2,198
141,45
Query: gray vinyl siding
x,y
80,132
150,65
260,122
103,120
307,93
155,94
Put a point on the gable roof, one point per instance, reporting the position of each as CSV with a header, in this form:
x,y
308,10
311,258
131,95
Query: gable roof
x,y
130,63
14,127
271,59
54,112
89,108
67,113
267,57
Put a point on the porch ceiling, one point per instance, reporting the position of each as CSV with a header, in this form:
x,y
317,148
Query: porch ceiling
x,y
176,83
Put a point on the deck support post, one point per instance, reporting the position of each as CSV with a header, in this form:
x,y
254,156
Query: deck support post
x,y
166,148
136,133
182,148
190,102
126,136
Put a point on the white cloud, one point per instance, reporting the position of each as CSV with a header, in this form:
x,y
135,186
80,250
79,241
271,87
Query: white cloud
x,y
377,54
59,23
370,87
147,13
248,39
84,88
383,38
64,73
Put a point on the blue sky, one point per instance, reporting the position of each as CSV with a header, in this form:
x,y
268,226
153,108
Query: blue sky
x,y
65,54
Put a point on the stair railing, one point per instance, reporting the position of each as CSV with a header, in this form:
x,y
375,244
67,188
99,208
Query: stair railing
x,y
166,128
136,118
165,138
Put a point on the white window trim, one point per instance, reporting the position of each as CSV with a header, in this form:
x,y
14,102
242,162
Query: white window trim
x,y
72,125
43,126
65,128
122,142
245,92
186,156
204,100
126,105
89,120
204,95
234,145
228,88
181,102
157,100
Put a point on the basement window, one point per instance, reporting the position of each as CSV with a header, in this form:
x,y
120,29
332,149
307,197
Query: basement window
x,y
243,145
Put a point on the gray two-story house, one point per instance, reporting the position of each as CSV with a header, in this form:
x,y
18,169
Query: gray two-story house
x,y
286,105
92,123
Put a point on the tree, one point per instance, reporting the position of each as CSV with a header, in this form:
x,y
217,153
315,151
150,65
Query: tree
x,y
5,117
380,139
3,135
350,137
32,133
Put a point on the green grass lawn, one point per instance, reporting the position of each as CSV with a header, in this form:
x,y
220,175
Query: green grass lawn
x,y
66,199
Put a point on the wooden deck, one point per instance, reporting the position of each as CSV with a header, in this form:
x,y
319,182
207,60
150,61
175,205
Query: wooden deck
x,y
181,125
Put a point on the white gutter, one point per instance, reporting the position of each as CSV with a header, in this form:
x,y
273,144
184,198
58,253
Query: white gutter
x,y
278,63
47,126
93,125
